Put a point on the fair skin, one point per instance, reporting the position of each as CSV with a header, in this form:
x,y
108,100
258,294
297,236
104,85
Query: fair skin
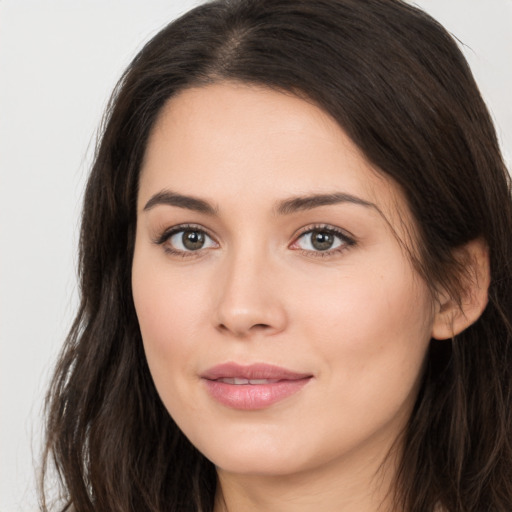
x,y
248,274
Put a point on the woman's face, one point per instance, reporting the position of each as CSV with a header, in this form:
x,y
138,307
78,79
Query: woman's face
x,y
283,324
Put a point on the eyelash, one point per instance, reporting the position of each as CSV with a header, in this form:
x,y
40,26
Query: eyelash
x,y
168,233
347,241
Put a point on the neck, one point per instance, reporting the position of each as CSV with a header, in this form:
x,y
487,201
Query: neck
x,y
341,486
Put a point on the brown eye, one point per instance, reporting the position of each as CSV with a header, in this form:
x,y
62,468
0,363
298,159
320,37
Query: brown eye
x,y
192,240
322,240
188,240
318,240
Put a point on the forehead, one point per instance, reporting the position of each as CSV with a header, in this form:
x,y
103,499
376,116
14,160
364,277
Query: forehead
x,y
233,143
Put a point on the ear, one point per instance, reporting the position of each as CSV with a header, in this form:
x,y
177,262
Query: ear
x,y
452,316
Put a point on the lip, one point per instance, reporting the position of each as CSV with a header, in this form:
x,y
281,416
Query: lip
x,y
252,396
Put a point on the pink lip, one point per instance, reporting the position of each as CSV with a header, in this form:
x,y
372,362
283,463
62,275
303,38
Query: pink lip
x,y
252,396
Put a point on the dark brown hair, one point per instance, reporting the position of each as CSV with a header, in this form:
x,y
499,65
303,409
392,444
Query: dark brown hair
x,y
396,82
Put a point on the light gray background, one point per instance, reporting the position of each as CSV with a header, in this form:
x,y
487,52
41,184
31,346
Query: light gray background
x,y
59,60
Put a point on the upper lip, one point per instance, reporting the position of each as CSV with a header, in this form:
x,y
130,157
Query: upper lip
x,y
252,371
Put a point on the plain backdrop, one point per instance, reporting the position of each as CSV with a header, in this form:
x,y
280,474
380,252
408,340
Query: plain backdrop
x,y
59,60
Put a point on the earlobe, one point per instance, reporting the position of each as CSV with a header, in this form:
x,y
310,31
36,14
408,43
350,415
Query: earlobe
x,y
453,316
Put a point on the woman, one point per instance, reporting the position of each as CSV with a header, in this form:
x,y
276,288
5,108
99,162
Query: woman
x,y
295,273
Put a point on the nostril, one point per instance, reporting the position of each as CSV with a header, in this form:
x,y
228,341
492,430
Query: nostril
x,y
242,331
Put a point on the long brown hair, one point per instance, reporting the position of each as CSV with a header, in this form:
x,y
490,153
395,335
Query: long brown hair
x,y
396,82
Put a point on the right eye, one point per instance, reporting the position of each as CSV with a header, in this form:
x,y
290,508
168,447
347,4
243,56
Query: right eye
x,y
182,240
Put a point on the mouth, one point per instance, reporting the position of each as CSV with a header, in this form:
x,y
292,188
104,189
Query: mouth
x,y
252,387
242,382
244,374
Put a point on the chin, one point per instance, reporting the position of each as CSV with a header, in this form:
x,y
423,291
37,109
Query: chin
x,y
256,465
254,457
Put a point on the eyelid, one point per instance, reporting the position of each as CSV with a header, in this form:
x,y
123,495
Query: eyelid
x,y
347,239
166,233
325,227
169,232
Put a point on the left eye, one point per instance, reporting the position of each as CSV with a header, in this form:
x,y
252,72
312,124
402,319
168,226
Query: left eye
x,y
187,240
320,240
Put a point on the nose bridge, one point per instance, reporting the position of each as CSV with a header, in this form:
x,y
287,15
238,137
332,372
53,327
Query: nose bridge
x,y
248,298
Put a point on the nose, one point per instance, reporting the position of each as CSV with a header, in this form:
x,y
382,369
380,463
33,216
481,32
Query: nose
x,y
250,298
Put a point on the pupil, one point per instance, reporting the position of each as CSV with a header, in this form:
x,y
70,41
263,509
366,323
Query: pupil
x,y
322,240
193,240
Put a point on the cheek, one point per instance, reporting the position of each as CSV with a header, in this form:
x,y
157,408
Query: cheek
x,y
164,315
372,329
167,312
168,308
166,300
369,335
371,304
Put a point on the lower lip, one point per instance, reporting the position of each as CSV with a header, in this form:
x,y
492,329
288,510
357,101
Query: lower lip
x,y
253,396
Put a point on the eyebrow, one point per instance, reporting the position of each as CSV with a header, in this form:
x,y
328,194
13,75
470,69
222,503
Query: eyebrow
x,y
166,197
285,207
309,202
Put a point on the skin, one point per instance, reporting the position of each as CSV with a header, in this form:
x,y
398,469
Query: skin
x,y
357,318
